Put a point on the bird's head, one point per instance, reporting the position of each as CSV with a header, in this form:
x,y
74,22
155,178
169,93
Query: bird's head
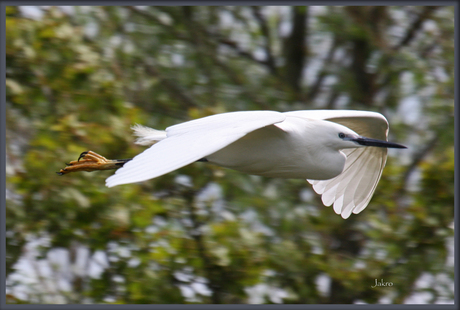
x,y
341,137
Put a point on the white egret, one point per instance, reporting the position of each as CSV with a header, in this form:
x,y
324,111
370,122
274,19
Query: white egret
x,y
340,152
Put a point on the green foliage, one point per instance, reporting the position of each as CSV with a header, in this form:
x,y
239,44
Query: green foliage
x,y
78,81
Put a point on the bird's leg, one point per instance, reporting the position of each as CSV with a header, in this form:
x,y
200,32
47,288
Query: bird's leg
x,y
91,161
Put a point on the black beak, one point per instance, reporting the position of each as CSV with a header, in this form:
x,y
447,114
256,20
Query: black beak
x,y
379,143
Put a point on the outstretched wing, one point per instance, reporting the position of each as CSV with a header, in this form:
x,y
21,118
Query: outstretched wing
x,y
352,190
190,141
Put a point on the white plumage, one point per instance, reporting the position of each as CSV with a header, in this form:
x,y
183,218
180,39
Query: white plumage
x,y
329,148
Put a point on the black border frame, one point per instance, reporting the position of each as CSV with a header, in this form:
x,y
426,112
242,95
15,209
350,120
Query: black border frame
x,y
3,4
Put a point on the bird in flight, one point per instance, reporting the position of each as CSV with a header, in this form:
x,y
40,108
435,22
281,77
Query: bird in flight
x,y
340,152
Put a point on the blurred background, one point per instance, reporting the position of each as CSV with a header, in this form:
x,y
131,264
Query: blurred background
x,y
77,78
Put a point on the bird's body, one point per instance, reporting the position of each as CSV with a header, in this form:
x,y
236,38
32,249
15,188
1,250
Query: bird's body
x,y
340,152
260,152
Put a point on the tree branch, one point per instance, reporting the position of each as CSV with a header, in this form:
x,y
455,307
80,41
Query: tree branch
x,y
173,89
314,89
151,17
417,159
294,48
212,39
333,99
238,79
268,42
208,266
201,49
415,27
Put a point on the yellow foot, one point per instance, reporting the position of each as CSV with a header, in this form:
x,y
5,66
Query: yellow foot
x,y
91,161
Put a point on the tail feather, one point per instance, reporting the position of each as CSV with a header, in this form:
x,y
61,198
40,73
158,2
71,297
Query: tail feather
x,y
147,135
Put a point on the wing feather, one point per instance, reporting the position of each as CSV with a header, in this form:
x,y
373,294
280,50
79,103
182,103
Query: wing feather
x,y
351,191
190,141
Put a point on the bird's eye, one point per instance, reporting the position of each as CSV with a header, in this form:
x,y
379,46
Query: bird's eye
x,y
341,135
